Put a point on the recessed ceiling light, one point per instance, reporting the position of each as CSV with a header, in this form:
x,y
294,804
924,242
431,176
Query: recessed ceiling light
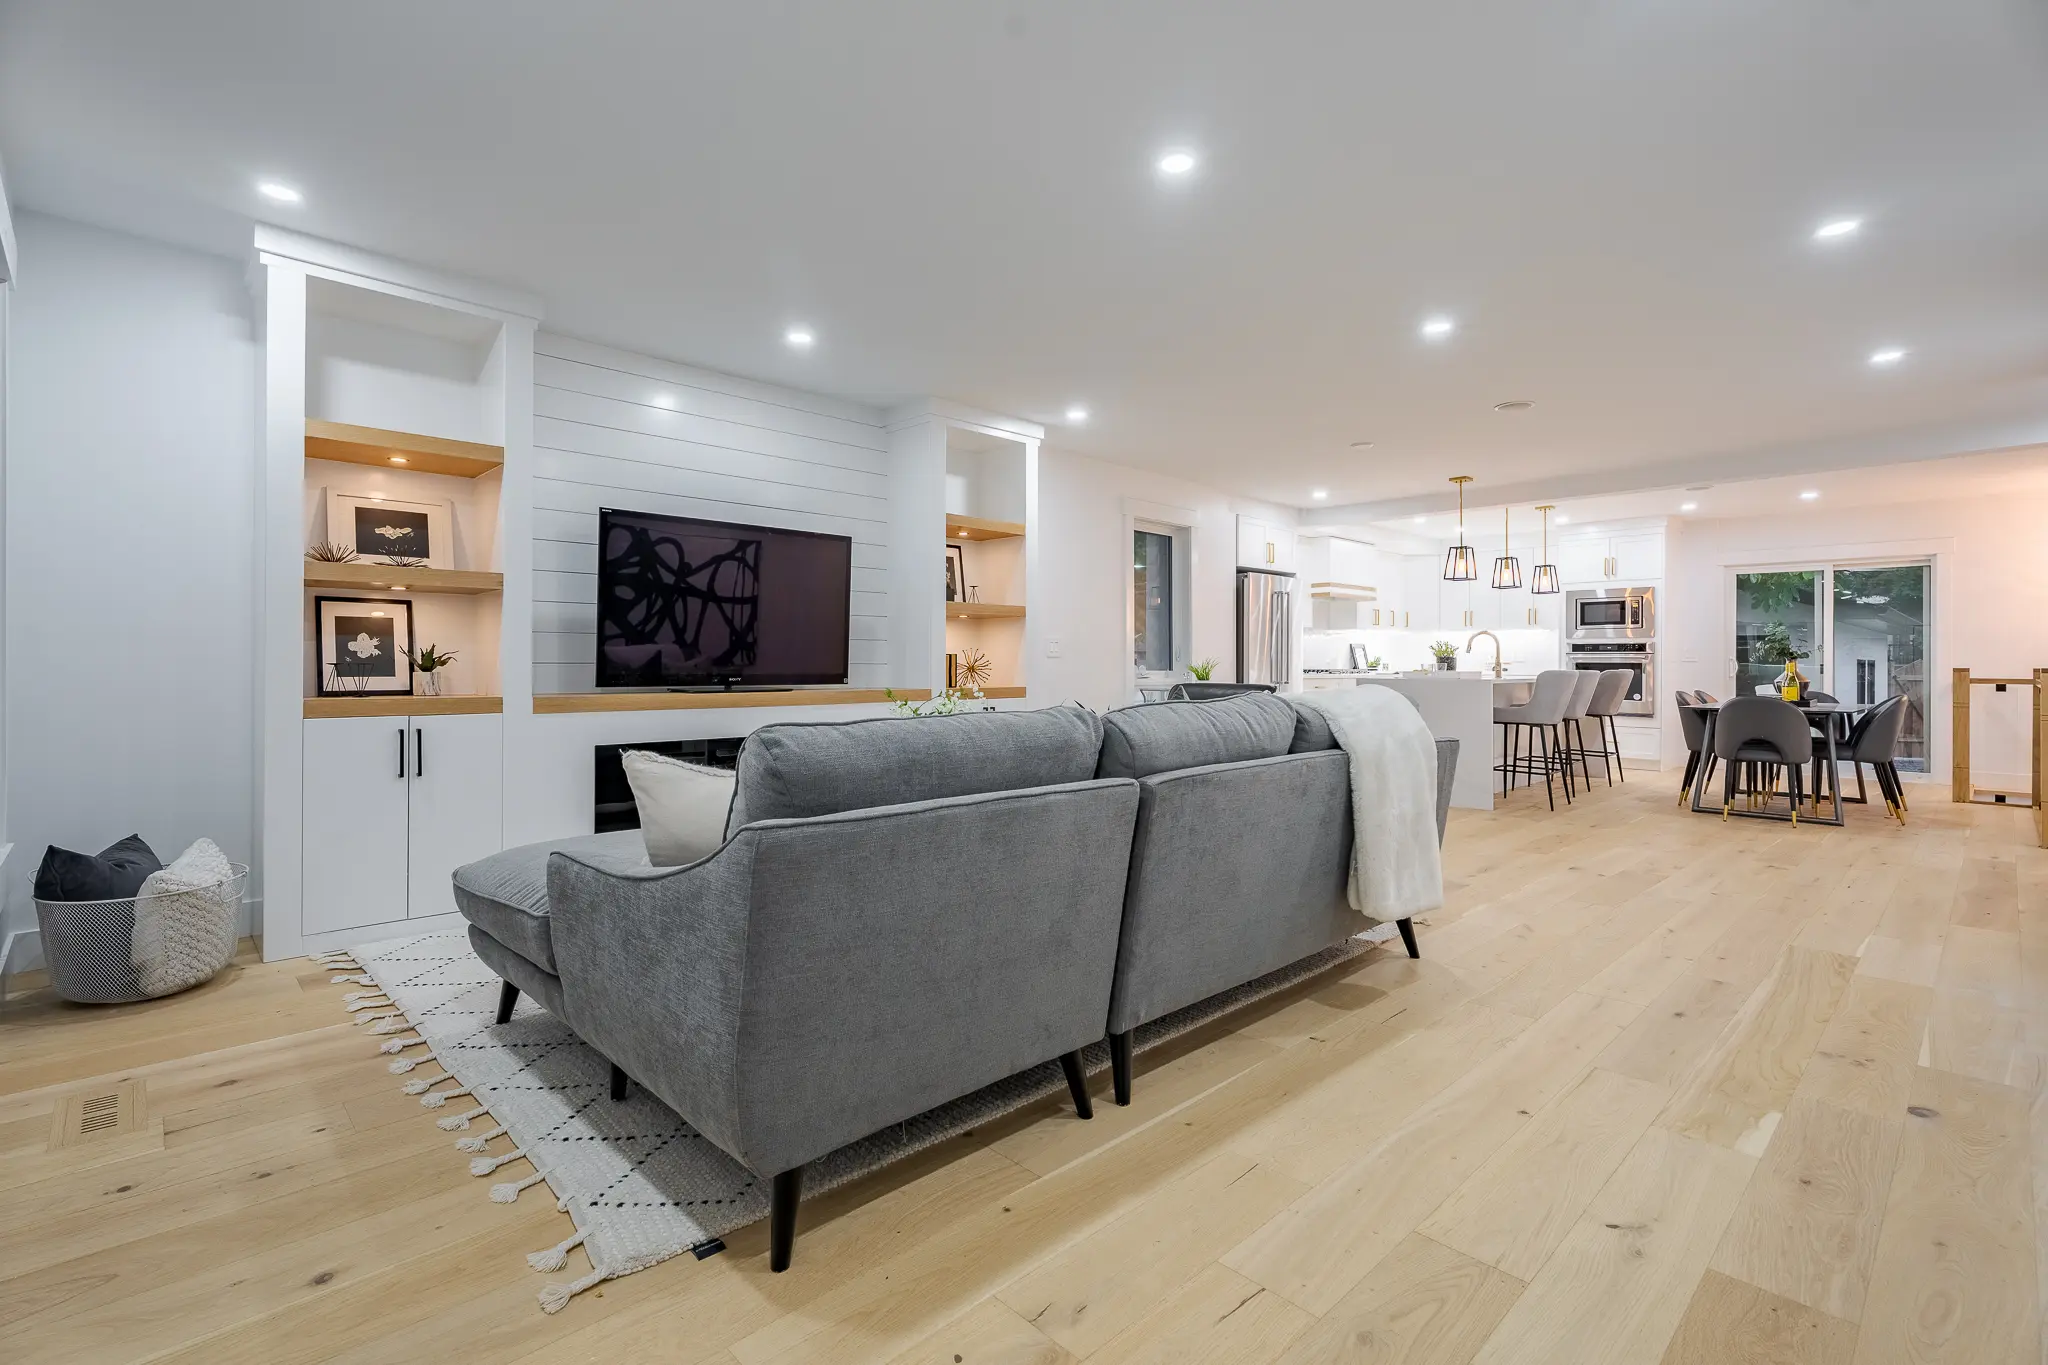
x,y
1319,493
1437,328
1514,405
1562,520
1077,415
1688,507
1890,355
1837,228
1809,495
799,338
397,459
283,194
1176,163
1361,445
1420,520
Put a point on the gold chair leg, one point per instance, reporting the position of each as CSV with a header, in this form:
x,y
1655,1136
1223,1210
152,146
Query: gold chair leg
x,y
1726,807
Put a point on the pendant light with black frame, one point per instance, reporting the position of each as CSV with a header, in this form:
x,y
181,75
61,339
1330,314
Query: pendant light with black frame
x,y
1543,580
1507,570
1461,565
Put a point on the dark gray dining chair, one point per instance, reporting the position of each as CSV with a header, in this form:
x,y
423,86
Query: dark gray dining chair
x,y
1756,736
1212,691
1692,723
1874,739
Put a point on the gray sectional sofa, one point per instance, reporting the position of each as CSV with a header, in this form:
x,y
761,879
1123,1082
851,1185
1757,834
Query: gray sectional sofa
x,y
906,910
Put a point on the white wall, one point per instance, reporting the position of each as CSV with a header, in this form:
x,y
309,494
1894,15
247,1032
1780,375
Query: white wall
x,y
1989,604
613,429
1085,562
130,527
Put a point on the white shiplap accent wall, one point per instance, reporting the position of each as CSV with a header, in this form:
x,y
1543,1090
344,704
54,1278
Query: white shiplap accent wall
x,y
614,429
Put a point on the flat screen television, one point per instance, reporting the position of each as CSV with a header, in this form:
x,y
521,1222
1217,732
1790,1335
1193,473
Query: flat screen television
x,y
688,603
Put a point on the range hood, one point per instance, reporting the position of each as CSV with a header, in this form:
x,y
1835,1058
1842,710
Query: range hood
x,y
1345,592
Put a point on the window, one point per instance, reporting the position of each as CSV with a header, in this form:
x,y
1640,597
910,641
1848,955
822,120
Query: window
x,y
1152,601
1862,626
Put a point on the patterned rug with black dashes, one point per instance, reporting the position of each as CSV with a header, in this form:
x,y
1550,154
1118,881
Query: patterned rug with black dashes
x,y
531,1104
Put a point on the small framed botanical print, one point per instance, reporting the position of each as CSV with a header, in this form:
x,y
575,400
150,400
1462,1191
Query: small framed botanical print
x,y
365,646
956,573
389,530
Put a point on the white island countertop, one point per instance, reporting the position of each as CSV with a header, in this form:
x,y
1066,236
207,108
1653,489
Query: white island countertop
x,y
1458,706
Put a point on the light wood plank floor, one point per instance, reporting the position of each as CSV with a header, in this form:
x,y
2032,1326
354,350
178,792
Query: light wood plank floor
x,y
1662,1089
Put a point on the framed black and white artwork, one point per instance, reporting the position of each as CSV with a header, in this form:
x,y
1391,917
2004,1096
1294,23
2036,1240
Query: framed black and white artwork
x,y
365,646
956,573
381,530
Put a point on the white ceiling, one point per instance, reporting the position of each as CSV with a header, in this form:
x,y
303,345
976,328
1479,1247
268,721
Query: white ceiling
x,y
1614,197
2004,474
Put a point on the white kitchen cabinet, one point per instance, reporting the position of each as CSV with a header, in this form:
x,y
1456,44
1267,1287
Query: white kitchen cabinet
x,y
1583,559
1638,557
1627,557
1264,545
393,805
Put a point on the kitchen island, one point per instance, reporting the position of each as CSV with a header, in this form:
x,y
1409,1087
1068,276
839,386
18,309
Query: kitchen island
x,y
1455,706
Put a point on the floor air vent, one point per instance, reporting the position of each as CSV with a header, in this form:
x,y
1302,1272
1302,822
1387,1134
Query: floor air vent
x,y
91,1115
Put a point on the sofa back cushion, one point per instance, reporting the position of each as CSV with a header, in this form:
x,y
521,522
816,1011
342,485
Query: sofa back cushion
x,y
797,771
1141,740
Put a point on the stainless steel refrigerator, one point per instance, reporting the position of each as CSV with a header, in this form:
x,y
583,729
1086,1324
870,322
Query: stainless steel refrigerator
x,y
1265,627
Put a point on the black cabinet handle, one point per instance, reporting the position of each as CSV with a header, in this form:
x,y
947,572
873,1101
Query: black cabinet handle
x,y
419,752
401,751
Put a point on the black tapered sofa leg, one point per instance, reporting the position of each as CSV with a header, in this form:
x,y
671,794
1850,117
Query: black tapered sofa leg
x,y
620,1080
1407,928
1077,1083
508,996
782,1202
1120,1065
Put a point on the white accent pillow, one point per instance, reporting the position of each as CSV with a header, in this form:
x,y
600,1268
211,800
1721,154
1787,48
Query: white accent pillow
x,y
682,806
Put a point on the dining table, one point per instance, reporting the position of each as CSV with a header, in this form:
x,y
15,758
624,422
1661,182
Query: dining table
x,y
1831,731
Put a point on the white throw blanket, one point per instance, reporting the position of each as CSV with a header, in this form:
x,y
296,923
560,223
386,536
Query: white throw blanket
x,y
1397,870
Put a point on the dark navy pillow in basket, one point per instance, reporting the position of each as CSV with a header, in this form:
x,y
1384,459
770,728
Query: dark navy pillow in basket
x,y
115,873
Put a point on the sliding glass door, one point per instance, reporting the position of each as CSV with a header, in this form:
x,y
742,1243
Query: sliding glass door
x,y
1860,631
1879,645
1778,615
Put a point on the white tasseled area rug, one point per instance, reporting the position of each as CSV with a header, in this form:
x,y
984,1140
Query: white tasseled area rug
x,y
641,1185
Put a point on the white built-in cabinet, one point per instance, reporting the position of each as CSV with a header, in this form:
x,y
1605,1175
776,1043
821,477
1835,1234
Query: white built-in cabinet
x,y
393,805
1264,544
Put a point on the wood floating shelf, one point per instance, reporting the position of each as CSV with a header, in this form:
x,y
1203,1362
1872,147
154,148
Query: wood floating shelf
x,y
392,578
1003,693
981,528
400,450
974,611
337,708
575,703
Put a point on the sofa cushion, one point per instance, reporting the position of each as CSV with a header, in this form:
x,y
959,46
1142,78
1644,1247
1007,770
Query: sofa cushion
x,y
506,894
682,806
798,771
115,873
1312,733
1165,736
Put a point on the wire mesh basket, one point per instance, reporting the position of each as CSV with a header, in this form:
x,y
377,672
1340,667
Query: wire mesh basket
x,y
141,947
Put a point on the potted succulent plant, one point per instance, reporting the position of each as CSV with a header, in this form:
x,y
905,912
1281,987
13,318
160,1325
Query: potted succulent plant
x,y
1203,671
1446,656
428,661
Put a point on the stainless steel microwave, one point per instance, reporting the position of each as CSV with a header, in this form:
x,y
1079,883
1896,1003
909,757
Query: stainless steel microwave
x,y
1611,613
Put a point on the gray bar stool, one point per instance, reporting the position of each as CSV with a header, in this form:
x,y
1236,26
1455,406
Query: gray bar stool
x,y
1541,716
1584,686
1607,700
